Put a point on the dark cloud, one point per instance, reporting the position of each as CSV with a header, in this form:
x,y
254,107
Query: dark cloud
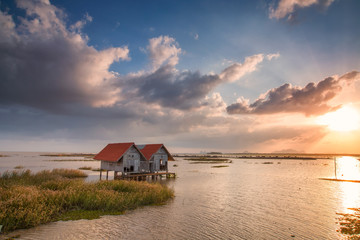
x,y
170,88
46,65
311,100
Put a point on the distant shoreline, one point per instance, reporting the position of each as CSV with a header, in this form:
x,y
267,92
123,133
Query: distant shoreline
x,y
266,156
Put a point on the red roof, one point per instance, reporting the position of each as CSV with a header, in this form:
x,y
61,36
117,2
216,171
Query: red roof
x,y
150,149
113,151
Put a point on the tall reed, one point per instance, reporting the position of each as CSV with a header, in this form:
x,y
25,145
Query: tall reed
x,y
27,199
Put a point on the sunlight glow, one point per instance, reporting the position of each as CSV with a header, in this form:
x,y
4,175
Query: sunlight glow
x,y
350,196
345,119
348,168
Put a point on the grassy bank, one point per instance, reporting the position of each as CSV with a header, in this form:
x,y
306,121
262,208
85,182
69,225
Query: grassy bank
x,y
207,160
69,155
72,160
220,166
27,200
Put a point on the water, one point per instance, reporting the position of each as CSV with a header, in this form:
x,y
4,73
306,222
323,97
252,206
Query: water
x,y
247,200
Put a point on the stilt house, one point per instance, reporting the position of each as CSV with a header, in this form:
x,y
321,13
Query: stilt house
x,y
121,157
157,156
129,158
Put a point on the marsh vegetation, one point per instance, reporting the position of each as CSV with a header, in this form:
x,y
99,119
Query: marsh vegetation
x,y
208,160
350,223
85,168
27,199
219,166
19,167
71,160
87,155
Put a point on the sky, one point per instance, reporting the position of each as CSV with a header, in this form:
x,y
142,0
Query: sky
x,y
204,75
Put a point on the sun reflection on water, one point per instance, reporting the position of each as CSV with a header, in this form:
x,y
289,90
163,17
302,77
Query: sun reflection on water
x,y
351,196
347,168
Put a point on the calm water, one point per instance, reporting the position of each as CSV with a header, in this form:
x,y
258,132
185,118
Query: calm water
x,y
247,200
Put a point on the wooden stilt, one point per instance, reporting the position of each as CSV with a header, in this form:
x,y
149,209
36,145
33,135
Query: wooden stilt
x,y
144,176
107,175
100,173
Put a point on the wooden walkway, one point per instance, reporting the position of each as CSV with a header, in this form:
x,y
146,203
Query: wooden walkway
x,y
143,176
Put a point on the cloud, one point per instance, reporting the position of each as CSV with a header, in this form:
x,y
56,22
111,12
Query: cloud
x,y
237,70
77,27
272,56
49,65
239,134
169,87
310,100
163,49
289,7
45,64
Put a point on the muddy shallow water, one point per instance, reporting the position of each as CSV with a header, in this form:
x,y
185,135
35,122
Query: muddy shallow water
x,y
247,200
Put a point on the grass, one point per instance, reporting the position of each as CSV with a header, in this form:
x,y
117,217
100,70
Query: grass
x,y
98,170
350,224
69,155
19,167
71,160
210,162
27,200
220,166
85,168
207,160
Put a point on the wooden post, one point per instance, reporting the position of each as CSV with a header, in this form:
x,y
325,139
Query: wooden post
x,y
115,175
100,173
335,167
107,174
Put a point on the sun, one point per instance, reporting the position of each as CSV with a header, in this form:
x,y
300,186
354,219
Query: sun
x,y
345,119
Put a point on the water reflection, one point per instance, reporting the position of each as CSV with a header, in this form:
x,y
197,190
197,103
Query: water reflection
x,y
244,201
351,195
347,168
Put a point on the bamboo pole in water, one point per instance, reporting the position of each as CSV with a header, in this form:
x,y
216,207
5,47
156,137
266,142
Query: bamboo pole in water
x,y
335,167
